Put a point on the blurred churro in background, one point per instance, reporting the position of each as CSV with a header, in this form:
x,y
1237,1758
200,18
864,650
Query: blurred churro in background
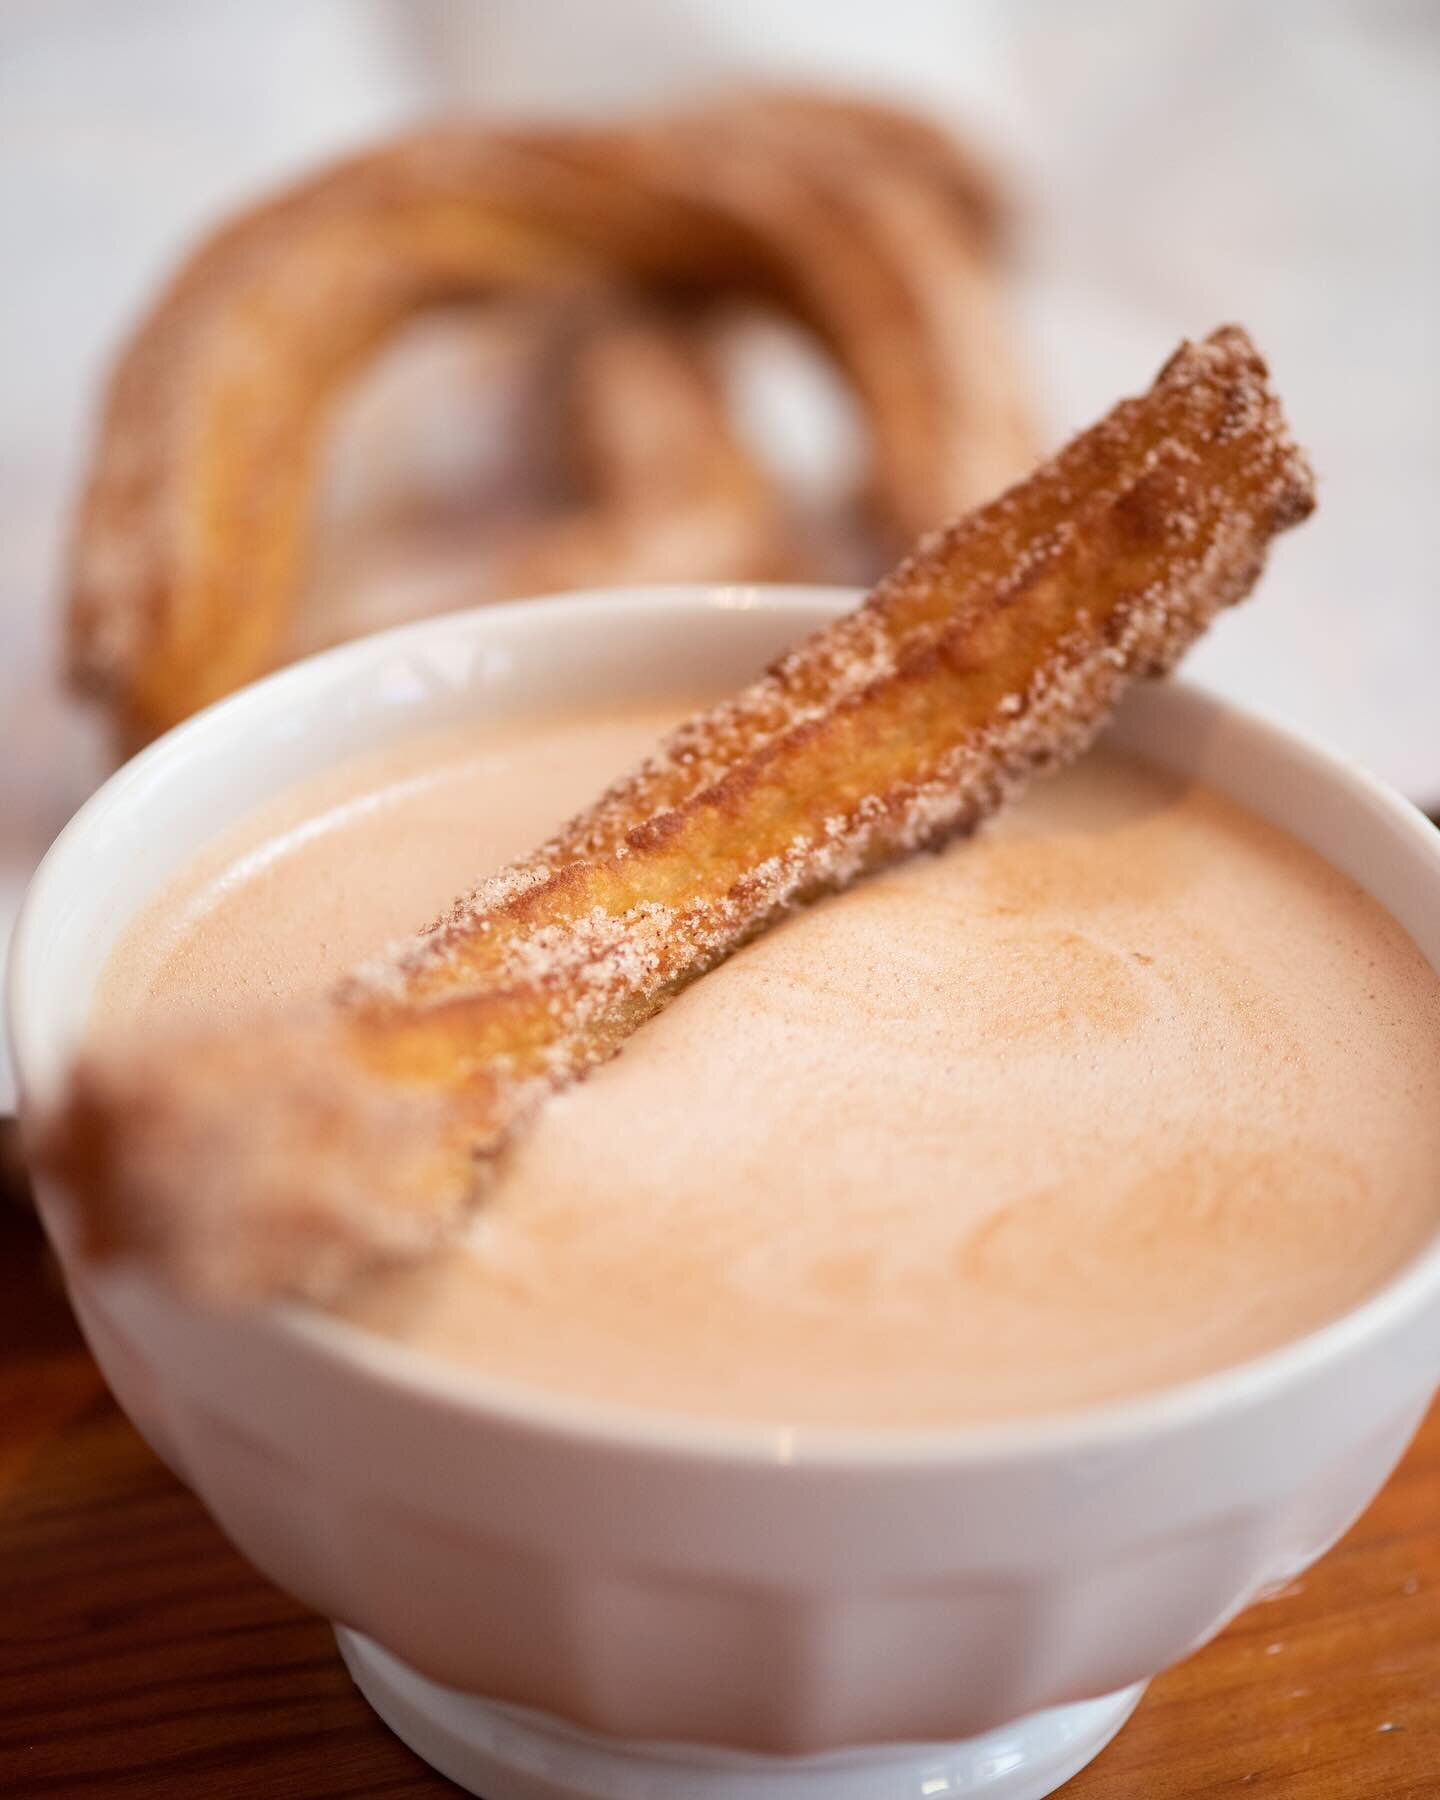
x,y
874,232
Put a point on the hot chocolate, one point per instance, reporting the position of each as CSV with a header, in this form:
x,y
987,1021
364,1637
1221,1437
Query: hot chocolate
x,y
1129,1088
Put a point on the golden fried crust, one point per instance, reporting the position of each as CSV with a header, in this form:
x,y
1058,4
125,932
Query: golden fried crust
x,y
188,548
366,1129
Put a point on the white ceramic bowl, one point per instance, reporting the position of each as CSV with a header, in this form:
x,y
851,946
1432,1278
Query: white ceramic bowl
x,y
782,1593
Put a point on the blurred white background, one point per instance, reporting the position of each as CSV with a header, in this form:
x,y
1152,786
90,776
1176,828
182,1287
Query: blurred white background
x,y
1176,165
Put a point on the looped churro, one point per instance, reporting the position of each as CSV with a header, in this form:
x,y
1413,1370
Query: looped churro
x,y
871,230
287,1158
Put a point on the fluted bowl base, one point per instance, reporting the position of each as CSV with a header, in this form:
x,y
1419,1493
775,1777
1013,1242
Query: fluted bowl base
x,y
502,1752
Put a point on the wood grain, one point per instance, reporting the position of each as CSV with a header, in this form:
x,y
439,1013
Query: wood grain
x,y
140,1655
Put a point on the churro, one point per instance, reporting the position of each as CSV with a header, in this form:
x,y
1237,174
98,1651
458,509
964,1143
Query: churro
x,y
288,1158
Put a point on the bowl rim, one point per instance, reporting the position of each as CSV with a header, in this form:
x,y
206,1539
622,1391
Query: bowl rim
x,y
504,1401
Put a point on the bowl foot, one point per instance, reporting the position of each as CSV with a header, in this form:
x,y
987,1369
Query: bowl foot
x,y
511,1753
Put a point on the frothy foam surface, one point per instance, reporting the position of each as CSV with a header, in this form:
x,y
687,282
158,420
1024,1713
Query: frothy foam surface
x,y
1128,1089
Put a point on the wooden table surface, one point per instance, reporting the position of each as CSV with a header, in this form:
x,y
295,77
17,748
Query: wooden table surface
x,y
140,1655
